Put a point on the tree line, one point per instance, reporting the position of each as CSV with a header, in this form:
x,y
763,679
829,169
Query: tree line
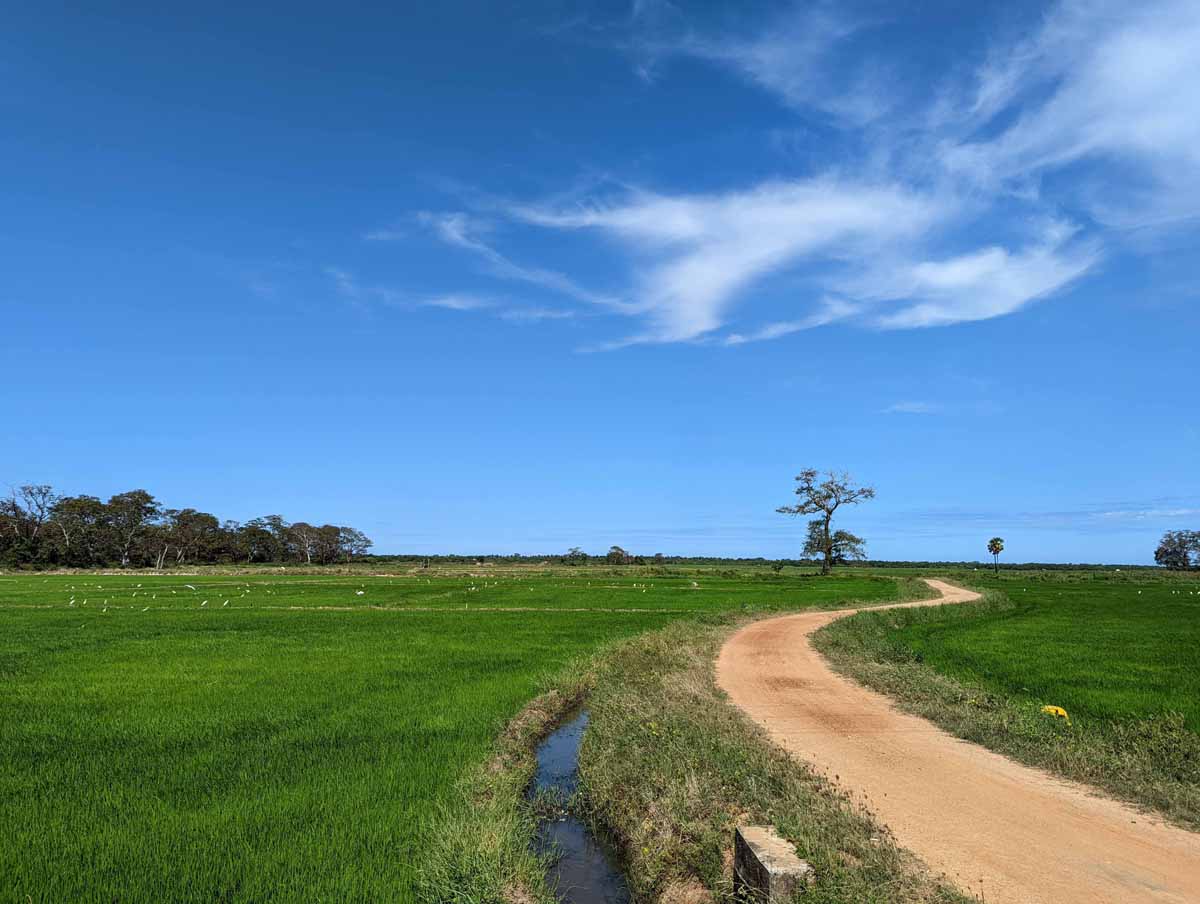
x,y
616,555
39,527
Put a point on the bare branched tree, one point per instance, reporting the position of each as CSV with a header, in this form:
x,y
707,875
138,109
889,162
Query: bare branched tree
x,y
822,495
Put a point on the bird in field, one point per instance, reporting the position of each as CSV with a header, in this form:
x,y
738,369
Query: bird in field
x,y
147,609
224,604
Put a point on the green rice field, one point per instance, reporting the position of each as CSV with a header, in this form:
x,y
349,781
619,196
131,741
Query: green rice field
x,y
283,737
1102,647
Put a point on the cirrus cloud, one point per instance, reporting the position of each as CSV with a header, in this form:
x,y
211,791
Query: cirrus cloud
x,y
973,206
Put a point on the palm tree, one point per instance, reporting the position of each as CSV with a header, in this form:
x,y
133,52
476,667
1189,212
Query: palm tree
x,y
995,547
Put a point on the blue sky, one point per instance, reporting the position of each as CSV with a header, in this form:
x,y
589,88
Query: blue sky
x,y
494,279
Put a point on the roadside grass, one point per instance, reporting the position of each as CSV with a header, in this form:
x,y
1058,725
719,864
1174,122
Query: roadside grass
x,y
163,750
1120,655
670,768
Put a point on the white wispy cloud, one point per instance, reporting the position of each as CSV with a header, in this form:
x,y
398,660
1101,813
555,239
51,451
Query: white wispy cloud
x,y
1103,516
696,253
390,234
953,219
537,314
790,56
978,285
830,310
456,301
1148,514
913,407
1099,82
463,231
349,287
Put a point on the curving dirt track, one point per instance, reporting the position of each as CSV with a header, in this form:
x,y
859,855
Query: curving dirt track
x,y
1006,832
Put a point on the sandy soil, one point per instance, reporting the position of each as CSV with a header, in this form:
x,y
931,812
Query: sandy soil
x,y
997,829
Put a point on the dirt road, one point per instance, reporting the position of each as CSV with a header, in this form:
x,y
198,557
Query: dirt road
x,y
1009,833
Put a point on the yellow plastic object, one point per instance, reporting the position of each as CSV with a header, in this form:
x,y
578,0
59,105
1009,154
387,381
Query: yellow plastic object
x,y
1058,712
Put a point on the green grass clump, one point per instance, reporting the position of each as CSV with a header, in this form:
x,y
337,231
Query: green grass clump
x,y
478,849
1121,656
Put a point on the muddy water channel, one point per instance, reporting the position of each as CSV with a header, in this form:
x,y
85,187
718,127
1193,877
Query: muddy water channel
x,y
584,869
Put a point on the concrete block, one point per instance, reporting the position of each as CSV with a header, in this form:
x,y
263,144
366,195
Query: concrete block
x,y
765,867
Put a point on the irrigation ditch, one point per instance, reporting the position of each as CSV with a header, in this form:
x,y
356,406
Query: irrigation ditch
x,y
584,864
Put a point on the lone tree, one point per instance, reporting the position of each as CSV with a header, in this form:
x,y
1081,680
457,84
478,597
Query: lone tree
x,y
823,497
1179,549
995,547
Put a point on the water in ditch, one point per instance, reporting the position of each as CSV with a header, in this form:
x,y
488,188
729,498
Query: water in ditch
x,y
584,869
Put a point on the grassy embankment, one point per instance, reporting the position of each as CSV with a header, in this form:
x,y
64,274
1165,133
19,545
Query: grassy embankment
x,y
291,745
1120,653
668,768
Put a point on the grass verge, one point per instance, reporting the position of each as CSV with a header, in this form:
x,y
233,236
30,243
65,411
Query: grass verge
x,y
669,768
479,848
1144,754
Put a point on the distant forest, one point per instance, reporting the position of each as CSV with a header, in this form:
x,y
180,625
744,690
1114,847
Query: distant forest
x,y
40,528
